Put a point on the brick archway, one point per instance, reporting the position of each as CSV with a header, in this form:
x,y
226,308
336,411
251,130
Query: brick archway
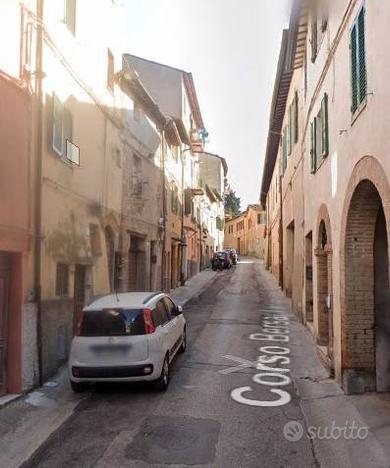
x,y
324,294
368,195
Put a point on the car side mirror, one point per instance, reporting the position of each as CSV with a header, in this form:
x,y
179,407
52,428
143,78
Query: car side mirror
x,y
179,309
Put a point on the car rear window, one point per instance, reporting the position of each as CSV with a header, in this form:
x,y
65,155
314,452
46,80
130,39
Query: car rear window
x,y
112,322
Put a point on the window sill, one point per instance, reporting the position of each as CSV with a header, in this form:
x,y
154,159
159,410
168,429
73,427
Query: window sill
x,y
358,111
62,159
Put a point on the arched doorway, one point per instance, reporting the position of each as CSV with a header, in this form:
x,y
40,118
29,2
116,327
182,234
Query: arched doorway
x,y
365,301
324,293
322,287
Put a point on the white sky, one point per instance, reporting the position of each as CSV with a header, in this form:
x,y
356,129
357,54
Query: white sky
x,y
231,47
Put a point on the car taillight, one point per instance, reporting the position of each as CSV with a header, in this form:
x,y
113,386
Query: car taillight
x,y
79,324
148,320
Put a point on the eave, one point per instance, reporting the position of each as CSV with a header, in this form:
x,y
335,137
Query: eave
x,y
184,136
278,108
131,85
172,133
193,100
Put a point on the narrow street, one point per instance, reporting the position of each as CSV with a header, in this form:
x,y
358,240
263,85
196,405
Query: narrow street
x,y
197,421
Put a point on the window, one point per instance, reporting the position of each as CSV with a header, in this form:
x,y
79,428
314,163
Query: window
x,y
290,131
319,132
358,62
62,280
292,128
28,48
62,133
170,307
295,124
261,218
175,203
319,24
284,151
67,126
70,15
113,322
58,110
136,181
110,71
160,316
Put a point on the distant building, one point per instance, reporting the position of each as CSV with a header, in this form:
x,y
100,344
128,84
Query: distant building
x,y
246,232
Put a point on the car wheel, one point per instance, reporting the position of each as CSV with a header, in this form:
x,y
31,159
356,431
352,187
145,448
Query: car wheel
x,y
79,387
163,381
183,346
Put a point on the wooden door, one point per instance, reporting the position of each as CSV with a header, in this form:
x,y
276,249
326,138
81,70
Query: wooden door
x,y
4,301
79,293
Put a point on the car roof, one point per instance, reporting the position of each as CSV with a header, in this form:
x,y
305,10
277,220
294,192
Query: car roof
x,y
130,299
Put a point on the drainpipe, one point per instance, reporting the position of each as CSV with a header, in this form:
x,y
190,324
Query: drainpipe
x,y
281,279
182,235
38,182
163,264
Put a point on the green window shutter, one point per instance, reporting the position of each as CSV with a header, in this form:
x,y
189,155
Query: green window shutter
x,y
284,150
325,127
361,43
289,135
354,69
313,145
314,36
296,133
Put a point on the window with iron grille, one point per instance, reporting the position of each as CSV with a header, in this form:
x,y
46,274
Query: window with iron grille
x,y
358,62
62,280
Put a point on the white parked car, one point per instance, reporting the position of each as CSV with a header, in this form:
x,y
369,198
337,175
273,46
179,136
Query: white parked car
x,y
126,338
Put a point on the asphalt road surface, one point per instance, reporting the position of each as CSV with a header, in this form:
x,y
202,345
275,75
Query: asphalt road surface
x,y
230,396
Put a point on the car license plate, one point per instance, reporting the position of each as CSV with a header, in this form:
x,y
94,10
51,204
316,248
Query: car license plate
x,y
110,348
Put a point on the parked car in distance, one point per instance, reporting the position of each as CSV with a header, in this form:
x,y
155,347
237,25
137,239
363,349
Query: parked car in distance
x,y
127,338
221,261
233,255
